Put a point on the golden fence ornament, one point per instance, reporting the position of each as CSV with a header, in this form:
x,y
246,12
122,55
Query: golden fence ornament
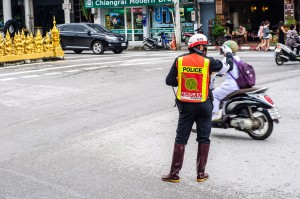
x,y
8,45
27,47
1,46
47,44
58,52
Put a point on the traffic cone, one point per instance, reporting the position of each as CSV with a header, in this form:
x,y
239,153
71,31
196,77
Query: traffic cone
x,y
173,44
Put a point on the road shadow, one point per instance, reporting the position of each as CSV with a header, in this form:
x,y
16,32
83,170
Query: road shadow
x,y
240,136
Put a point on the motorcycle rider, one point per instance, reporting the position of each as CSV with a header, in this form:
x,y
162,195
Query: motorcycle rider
x,y
229,85
191,73
292,39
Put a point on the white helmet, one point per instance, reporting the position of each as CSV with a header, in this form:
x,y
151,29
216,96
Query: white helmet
x,y
197,39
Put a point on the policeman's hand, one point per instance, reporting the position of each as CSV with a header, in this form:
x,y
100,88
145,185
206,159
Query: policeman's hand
x,y
226,49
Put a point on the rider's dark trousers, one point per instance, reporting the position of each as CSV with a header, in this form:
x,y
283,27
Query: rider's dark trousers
x,y
297,48
200,113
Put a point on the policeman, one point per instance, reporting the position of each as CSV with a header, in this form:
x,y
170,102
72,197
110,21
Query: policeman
x,y
191,73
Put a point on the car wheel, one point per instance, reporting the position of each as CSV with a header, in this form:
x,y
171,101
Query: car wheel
x,y
118,51
78,51
97,47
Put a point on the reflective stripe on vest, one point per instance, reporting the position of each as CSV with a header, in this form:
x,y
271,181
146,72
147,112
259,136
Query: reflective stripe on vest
x,y
193,78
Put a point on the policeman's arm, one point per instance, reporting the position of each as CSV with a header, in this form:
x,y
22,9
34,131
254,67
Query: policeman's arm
x,y
218,66
229,63
229,59
171,79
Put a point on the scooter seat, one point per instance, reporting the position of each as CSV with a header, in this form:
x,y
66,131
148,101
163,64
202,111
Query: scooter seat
x,y
153,39
240,92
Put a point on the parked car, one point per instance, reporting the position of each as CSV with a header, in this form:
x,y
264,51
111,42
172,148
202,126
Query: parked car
x,y
90,36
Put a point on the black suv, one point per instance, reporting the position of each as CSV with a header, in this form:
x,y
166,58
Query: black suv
x,y
90,36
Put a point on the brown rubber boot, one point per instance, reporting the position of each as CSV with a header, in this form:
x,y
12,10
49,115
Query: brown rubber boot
x,y
202,155
177,161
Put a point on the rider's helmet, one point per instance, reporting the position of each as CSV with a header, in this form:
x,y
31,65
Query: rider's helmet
x,y
196,40
232,45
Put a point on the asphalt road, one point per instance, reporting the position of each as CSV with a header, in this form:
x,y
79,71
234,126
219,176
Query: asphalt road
x,y
103,126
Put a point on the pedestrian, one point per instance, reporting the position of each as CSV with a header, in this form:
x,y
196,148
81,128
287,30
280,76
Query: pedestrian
x,y
242,33
266,36
260,35
229,85
191,73
281,32
293,39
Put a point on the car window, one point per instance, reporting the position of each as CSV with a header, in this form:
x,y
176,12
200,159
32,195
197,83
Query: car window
x,y
69,28
98,28
81,28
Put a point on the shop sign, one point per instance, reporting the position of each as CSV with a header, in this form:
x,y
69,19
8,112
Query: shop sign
x,y
122,3
161,17
159,30
122,31
219,7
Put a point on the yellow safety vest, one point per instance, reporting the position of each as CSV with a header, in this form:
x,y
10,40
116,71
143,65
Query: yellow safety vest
x,y
193,78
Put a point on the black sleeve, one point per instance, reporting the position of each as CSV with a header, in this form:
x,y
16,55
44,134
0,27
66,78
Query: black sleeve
x,y
171,79
229,60
216,65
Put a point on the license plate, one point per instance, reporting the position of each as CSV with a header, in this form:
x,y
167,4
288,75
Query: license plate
x,y
123,44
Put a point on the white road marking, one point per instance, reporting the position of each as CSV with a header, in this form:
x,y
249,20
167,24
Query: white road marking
x,y
94,68
24,65
30,76
151,69
59,67
8,79
131,54
72,71
55,73
132,64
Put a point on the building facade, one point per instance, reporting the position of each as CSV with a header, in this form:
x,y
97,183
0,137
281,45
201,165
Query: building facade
x,y
33,14
143,18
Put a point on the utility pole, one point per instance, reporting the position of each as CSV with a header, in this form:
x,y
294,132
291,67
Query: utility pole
x,y
29,15
67,6
177,24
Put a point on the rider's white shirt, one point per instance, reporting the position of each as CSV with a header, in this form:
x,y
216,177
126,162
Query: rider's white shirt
x,y
227,87
229,82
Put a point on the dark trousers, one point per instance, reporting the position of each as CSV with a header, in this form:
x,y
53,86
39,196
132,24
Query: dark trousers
x,y
200,113
298,49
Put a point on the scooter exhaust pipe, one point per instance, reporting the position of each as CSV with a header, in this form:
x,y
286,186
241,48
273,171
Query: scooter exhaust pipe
x,y
149,45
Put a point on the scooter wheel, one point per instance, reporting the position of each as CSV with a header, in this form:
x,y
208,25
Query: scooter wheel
x,y
168,47
278,59
186,40
266,125
146,47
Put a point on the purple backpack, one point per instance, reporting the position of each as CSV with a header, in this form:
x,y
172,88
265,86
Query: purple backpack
x,y
246,77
